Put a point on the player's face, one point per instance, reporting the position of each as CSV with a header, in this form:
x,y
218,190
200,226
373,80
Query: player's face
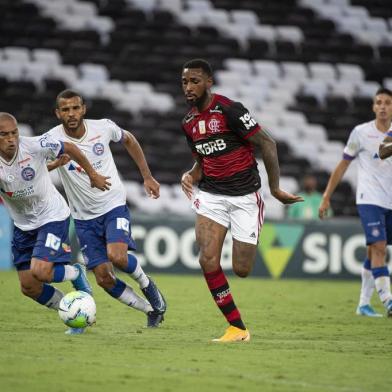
x,y
70,112
9,138
196,85
382,107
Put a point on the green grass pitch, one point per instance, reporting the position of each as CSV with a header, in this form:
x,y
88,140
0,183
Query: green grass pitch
x,y
305,337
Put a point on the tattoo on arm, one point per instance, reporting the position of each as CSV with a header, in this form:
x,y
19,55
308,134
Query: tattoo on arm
x,y
269,153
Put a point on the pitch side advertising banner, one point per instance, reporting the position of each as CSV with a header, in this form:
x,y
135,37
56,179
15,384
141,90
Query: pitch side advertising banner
x,y
332,249
327,249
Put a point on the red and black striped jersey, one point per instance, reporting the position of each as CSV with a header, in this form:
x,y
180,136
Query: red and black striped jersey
x,y
218,136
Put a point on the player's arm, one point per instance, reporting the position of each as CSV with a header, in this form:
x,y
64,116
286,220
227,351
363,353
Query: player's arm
x,y
136,153
96,180
191,177
333,182
385,149
267,144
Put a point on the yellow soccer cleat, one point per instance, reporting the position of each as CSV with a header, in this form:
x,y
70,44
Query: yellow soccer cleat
x,y
234,334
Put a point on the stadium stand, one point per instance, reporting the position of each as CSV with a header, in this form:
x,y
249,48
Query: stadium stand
x,y
308,76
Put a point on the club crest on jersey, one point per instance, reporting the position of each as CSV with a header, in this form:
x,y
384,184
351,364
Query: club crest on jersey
x,y
202,127
28,173
98,149
214,125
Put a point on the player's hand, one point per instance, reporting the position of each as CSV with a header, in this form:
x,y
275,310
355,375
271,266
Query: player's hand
x,y
62,160
323,209
100,182
285,197
151,185
187,185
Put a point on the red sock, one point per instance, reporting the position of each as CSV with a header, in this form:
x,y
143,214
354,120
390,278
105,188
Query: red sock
x,y
220,290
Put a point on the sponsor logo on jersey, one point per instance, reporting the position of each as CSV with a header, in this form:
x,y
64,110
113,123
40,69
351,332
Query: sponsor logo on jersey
x,y
28,173
94,138
24,161
46,144
10,178
375,156
98,148
20,193
214,125
216,110
248,121
210,147
72,167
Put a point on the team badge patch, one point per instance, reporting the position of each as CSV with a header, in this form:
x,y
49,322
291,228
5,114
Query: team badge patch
x,y
98,148
28,173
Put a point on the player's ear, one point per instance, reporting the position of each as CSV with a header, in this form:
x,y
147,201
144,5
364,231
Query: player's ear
x,y
57,112
210,82
84,109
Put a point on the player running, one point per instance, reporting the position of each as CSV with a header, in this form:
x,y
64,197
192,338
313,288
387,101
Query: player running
x,y
40,249
102,220
222,135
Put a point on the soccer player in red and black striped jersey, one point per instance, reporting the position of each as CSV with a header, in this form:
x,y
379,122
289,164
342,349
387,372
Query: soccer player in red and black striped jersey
x,y
222,136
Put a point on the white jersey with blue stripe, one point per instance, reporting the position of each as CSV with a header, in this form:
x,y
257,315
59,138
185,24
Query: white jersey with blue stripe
x,y
374,174
26,187
86,202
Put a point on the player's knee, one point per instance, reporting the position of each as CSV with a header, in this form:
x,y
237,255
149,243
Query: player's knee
x,y
241,271
208,262
106,280
42,275
118,259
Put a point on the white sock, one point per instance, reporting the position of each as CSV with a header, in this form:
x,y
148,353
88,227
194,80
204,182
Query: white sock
x,y
367,287
383,287
54,302
140,277
130,298
70,272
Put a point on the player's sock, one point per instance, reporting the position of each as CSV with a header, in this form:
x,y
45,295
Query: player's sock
x,y
220,290
383,283
122,292
63,272
135,270
50,296
367,287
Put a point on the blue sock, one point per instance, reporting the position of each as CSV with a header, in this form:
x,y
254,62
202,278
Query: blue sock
x,y
380,271
117,290
58,273
46,295
367,264
132,264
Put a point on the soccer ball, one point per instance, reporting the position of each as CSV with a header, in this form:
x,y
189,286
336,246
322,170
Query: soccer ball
x,y
77,309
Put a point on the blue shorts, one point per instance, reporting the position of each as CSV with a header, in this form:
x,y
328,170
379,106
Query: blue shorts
x,y
49,242
376,222
94,234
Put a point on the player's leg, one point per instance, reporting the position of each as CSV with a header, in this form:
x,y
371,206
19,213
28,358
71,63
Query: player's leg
x,y
375,221
51,257
119,290
367,288
43,293
119,241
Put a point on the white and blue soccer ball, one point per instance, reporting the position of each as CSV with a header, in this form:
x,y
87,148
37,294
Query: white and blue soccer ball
x,y
77,309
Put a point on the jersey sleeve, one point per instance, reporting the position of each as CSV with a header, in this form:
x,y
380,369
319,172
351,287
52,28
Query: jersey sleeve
x,y
48,146
352,147
240,121
116,133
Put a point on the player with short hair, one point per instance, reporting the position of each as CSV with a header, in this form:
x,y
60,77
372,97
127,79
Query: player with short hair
x,y
40,244
102,220
374,199
222,136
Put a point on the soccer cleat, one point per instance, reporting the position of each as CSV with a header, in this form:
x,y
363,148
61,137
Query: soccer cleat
x,y
74,331
368,311
154,318
155,297
389,308
234,334
81,282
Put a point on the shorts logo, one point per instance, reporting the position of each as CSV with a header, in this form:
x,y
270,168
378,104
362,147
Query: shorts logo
x,y
375,232
52,241
196,203
98,148
123,224
28,173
